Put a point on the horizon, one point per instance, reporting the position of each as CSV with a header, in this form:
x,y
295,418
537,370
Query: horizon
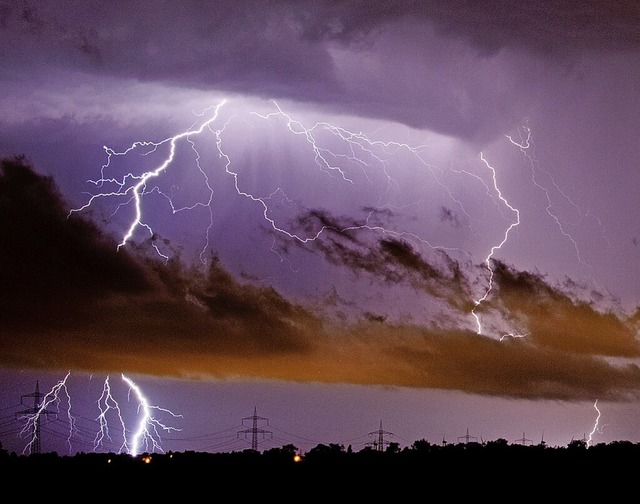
x,y
101,426
339,213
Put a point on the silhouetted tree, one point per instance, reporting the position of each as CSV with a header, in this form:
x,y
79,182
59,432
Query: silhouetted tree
x,y
421,445
283,454
393,448
577,444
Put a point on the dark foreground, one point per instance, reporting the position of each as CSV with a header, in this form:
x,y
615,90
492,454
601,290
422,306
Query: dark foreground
x,y
329,472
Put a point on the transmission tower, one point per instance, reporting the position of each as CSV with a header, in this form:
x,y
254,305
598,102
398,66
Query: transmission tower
x,y
523,440
35,413
467,437
255,430
380,442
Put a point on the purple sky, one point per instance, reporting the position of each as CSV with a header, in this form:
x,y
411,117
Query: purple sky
x,y
407,212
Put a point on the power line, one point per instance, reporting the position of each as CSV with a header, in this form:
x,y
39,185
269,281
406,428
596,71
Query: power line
x,y
34,415
523,440
379,443
255,430
467,437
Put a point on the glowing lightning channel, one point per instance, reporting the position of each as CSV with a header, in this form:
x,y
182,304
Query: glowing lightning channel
x,y
358,146
487,260
137,190
147,432
33,418
297,128
107,402
359,150
367,145
513,335
356,143
595,425
526,146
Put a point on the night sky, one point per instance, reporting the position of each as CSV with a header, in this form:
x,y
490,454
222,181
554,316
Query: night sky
x,y
338,214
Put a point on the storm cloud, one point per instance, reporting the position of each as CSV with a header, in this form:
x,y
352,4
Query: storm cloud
x,y
71,299
408,61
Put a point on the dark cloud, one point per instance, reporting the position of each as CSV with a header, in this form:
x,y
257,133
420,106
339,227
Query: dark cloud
x,y
515,368
49,261
348,243
556,320
448,215
231,45
70,296
408,61
537,26
71,300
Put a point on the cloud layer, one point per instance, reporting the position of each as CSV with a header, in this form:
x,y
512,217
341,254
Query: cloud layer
x,y
72,300
463,69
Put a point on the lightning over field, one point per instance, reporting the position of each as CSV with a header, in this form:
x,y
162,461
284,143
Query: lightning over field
x,y
133,425
379,208
43,407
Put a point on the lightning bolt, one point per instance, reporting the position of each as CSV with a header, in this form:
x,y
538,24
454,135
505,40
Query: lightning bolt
x,y
106,402
134,186
595,425
147,433
361,151
526,146
514,335
487,261
32,419
355,149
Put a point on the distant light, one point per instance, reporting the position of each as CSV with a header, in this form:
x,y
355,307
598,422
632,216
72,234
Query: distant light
x,y
297,458
147,459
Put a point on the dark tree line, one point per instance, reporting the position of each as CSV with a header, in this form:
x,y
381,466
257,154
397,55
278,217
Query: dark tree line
x,y
498,455
331,472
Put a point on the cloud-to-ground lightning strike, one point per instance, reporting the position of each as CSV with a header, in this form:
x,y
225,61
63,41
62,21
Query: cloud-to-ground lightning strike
x,y
106,402
34,417
595,425
146,434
